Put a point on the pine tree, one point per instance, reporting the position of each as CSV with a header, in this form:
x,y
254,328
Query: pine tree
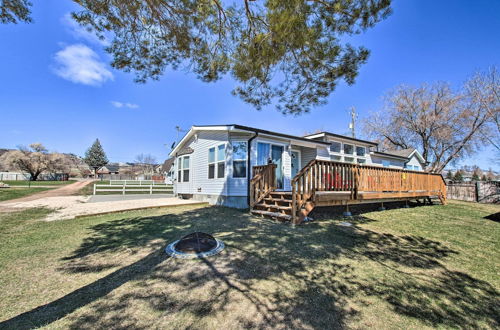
x,y
484,178
449,175
458,176
475,177
95,157
291,54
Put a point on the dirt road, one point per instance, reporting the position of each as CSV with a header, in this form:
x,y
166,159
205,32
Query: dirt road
x,y
66,190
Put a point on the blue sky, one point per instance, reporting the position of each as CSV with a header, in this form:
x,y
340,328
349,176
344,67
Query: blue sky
x,y
44,97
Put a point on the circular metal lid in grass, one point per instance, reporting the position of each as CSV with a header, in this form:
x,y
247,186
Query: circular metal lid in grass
x,y
195,245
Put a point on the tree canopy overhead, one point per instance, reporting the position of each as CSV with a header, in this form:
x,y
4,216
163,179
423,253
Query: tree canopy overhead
x,y
291,53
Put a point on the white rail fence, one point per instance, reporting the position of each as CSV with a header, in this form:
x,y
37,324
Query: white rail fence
x,y
136,182
137,186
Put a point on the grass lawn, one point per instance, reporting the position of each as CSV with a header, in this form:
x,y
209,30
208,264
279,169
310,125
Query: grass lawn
x,y
423,267
38,183
13,192
89,189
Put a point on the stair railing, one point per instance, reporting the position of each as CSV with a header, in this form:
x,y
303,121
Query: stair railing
x,y
320,175
262,183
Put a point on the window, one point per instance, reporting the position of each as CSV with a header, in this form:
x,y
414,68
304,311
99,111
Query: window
x,y
335,158
360,151
335,147
263,152
211,163
361,161
183,169
239,159
349,159
221,160
216,161
348,149
179,169
386,163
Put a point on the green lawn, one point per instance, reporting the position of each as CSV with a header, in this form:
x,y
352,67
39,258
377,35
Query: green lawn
x,y
12,193
38,183
423,267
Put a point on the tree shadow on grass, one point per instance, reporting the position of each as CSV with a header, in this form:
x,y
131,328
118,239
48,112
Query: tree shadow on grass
x,y
270,275
494,217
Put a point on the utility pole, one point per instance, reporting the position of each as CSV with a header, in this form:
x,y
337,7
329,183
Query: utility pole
x,y
352,124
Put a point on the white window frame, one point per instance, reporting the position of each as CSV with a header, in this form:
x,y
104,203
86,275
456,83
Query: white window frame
x,y
234,159
336,152
181,169
364,154
350,162
353,154
216,162
336,160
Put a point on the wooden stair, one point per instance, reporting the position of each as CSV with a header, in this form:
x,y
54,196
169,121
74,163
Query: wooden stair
x,y
275,205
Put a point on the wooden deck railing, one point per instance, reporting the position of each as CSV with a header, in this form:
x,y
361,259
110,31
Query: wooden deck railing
x,y
319,175
263,181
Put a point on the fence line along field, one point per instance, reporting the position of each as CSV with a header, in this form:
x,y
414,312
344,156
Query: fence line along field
x,y
133,186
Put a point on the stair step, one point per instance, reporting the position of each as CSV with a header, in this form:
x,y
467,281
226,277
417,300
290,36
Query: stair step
x,y
278,200
276,207
273,215
282,194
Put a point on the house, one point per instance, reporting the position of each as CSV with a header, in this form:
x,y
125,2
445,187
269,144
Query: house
x,y
167,169
214,162
410,159
110,168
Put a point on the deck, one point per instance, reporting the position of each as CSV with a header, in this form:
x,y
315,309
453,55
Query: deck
x,y
327,183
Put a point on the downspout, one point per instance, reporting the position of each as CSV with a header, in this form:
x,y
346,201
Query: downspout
x,y
249,170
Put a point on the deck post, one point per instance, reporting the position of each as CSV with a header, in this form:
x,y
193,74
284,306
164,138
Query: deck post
x,y
381,208
406,204
347,213
294,204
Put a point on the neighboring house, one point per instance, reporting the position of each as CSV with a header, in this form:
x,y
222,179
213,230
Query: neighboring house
x,y
167,169
111,168
409,158
213,163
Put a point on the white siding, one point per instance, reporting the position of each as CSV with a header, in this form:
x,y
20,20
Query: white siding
x,y
306,155
199,182
415,162
236,186
394,163
185,187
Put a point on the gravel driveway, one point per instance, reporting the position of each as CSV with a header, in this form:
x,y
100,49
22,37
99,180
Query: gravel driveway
x,y
69,207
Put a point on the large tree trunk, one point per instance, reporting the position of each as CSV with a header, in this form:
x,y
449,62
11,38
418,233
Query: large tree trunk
x,y
34,176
